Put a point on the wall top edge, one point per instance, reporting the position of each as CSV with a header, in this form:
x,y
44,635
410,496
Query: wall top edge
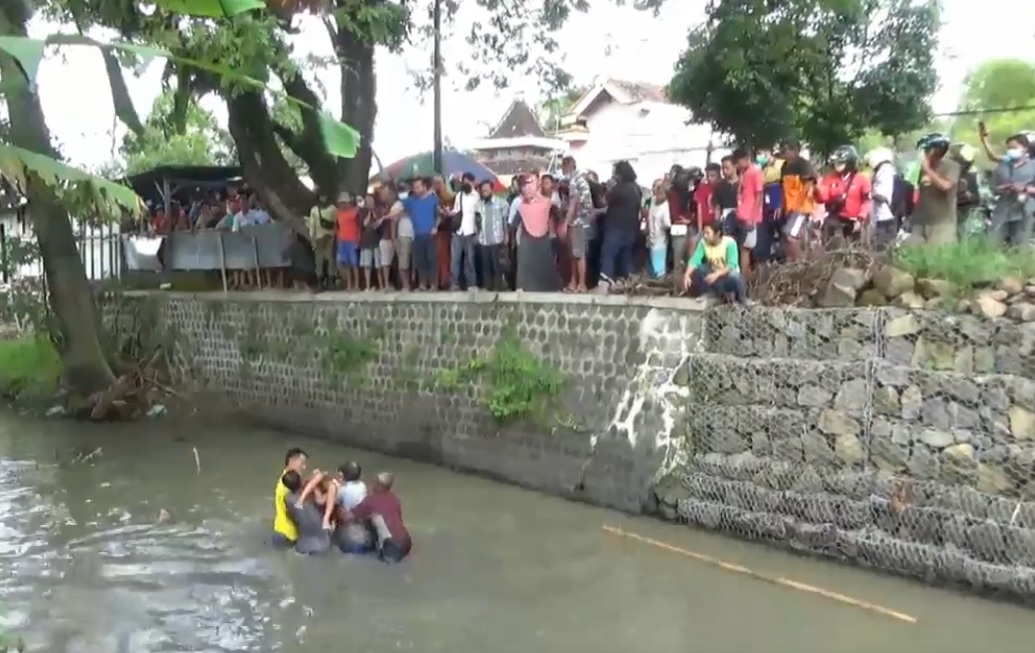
x,y
519,298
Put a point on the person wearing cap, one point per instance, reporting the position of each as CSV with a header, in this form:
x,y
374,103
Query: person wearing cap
x,y
322,227
934,218
348,242
798,180
882,192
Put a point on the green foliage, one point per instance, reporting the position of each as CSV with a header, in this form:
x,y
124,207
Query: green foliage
x,y
969,263
518,384
198,141
822,70
29,366
342,356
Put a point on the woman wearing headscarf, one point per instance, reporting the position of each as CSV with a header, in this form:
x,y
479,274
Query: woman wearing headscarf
x,y
536,271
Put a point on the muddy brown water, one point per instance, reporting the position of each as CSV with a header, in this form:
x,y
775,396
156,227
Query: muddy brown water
x,y
85,567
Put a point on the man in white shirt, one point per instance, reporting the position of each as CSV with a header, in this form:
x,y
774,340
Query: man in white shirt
x,y
352,537
885,225
464,236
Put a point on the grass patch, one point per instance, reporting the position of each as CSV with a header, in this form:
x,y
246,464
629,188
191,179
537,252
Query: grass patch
x,y
973,262
29,367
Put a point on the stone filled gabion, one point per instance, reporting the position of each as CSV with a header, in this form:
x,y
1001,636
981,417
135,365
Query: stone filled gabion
x,y
894,438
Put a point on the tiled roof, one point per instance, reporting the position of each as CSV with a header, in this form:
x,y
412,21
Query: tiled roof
x,y
514,166
640,91
519,120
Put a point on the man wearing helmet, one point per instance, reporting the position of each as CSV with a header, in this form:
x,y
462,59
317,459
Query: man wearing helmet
x,y
934,218
846,196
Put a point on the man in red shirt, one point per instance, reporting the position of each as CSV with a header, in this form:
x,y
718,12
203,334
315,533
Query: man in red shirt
x,y
846,195
749,206
703,195
383,509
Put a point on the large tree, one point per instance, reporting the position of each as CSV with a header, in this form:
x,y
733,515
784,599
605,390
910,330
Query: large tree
x,y
198,141
506,37
30,167
822,70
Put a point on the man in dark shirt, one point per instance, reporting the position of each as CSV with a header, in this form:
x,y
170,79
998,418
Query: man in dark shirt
x,y
307,516
383,508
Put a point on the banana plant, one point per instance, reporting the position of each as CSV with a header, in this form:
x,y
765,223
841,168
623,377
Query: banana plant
x,y
106,197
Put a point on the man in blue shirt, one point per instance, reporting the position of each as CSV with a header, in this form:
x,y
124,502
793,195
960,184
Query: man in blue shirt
x,y
422,207
256,214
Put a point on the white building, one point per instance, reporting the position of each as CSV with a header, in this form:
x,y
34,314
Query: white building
x,y
617,120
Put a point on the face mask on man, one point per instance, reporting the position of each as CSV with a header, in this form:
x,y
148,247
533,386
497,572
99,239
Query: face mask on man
x,y
1014,153
839,168
762,159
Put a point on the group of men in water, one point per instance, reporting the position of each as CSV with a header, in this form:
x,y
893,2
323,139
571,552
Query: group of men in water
x,y
313,515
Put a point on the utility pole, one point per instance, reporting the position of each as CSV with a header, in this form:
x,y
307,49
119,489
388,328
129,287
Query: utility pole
x,y
436,153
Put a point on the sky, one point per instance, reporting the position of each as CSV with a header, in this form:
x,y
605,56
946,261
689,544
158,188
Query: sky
x,y
611,41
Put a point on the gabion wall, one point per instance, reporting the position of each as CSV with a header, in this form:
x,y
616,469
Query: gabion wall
x,y
899,439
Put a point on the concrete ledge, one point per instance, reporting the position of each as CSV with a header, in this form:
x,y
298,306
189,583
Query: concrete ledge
x,y
295,296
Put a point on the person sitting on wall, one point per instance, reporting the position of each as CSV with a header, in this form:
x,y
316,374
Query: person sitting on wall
x,y
384,510
715,266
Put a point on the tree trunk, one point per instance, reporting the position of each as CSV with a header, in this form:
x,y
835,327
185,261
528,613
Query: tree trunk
x,y
358,103
264,165
71,300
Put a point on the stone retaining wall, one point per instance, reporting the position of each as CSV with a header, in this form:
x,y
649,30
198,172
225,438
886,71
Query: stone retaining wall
x,y
899,439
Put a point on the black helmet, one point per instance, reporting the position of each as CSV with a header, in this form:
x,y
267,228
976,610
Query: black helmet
x,y
696,174
934,141
846,154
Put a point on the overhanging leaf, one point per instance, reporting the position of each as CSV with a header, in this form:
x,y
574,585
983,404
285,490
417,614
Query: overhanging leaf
x,y
211,8
109,196
340,139
27,52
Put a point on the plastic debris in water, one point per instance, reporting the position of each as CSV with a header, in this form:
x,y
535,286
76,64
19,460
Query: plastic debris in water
x,y
56,411
157,410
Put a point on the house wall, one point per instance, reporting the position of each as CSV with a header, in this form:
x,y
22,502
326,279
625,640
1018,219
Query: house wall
x,y
651,135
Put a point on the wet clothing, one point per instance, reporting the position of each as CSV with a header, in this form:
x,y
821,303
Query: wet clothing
x,y
282,524
385,509
308,519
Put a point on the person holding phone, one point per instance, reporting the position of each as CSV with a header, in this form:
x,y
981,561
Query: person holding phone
x,y
1013,219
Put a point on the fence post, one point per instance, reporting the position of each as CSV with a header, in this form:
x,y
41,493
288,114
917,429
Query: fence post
x,y
222,258
3,254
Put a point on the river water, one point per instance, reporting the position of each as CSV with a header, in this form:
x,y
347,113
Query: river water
x,y
85,567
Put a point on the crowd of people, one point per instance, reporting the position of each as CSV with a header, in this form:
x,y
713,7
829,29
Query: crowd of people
x,y
570,231
314,515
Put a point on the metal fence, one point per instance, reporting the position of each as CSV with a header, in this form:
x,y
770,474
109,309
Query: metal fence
x,y
99,248
252,248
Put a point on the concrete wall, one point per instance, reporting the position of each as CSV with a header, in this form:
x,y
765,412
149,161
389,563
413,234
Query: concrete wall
x,y
899,439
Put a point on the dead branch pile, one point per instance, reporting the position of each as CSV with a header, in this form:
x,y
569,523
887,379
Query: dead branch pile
x,y
800,282
136,389
775,284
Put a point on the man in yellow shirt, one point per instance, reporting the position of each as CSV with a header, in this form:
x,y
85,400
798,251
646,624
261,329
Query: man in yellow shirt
x,y
285,532
322,227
